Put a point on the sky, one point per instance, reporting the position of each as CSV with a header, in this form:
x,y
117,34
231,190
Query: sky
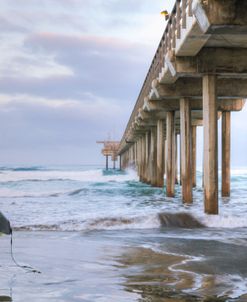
x,y
70,74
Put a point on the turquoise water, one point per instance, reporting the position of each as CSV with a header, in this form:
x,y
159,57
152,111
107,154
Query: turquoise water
x,y
91,221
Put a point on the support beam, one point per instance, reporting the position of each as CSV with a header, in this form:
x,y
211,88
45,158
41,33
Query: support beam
x,y
164,156
192,88
193,156
140,158
226,154
160,153
221,61
210,144
106,162
156,107
147,157
170,173
143,159
120,162
153,155
185,120
176,159
180,159
137,158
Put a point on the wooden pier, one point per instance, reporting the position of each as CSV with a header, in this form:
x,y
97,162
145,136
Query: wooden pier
x,y
198,75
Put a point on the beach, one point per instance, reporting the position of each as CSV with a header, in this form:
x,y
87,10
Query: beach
x,y
103,236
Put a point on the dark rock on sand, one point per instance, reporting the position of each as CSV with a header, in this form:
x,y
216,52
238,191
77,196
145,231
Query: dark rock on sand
x,y
179,220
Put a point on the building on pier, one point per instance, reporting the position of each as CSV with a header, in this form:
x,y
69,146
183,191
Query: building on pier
x,y
110,149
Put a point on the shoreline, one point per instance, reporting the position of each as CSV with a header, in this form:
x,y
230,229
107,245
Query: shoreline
x,y
106,264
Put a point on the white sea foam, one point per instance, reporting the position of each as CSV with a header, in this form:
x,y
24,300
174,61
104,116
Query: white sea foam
x,y
224,221
14,193
107,223
141,222
83,176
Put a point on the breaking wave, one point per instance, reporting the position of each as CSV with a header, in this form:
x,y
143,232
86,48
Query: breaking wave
x,y
161,220
168,220
96,175
23,169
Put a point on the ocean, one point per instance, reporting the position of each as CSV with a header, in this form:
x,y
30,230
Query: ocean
x,y
99,235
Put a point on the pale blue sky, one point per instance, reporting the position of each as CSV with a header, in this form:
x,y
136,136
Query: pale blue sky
x,y
70,72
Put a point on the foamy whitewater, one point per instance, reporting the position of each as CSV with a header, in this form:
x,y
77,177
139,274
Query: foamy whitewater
x,y
89,200
38,198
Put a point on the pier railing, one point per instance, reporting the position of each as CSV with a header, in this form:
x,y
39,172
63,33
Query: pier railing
x,y
177,21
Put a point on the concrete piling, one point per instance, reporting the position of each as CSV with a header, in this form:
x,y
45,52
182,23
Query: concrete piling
x,y
186,154
210,126
160,153
170,154
226,153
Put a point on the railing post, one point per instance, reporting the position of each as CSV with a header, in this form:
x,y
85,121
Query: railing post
x,y
169,42
174,25
190,13
178,19
184,5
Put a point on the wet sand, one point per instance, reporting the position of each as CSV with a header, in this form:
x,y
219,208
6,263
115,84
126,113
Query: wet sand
x,y
163,278
74,266
108,266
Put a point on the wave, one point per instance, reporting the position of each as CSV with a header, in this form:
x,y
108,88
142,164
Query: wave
x,y
182,220
225,221
23,169
38,227
78,191
160,220
10,193
96,175
35,180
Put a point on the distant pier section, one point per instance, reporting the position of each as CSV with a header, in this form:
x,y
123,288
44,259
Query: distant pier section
x,y
110,149
197,76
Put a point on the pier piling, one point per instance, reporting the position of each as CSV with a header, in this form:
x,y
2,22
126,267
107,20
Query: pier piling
x,y
226,153
193,156
160,153
170,154
185,120
210,118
